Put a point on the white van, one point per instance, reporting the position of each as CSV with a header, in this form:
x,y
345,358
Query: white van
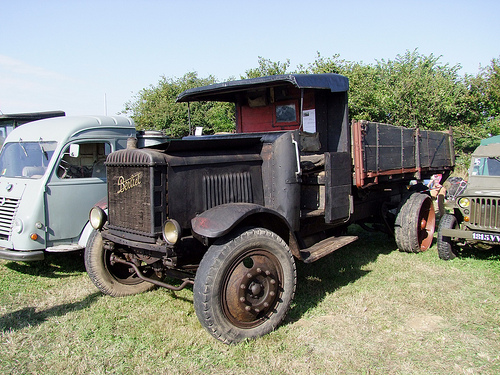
x,y
51,174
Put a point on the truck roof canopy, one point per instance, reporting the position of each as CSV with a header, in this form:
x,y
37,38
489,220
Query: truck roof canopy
x,y
228,91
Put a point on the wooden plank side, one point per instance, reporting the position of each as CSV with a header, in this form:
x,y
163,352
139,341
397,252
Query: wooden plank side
x,y
388,150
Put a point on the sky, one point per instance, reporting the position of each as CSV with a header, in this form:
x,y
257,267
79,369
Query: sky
x,y
91,57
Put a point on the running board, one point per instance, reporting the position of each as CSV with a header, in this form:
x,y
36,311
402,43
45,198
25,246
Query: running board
x,y
325,247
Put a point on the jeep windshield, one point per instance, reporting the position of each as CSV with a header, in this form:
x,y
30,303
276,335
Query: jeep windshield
x,y
485,166
26,159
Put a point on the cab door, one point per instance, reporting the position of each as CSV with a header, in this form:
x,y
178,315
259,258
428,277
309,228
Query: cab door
x,y
77,183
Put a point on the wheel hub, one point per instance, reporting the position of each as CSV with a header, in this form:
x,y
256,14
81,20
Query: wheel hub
x,y
251,290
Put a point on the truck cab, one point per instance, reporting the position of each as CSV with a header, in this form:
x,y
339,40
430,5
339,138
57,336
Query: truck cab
x,y
51,173
475,219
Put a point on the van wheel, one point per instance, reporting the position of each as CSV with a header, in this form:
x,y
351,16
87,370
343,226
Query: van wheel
x,y
415,224
244,285
114,279
447,250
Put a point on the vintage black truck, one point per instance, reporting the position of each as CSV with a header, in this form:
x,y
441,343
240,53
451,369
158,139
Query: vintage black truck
x,y
232,213
475,218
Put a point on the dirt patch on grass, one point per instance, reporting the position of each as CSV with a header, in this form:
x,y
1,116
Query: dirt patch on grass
x,y
425,323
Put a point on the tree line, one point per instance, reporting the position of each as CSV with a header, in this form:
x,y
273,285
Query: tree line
x,y
411,90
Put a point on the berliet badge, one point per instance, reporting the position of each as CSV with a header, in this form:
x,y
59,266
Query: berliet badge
x,y
126,184
8,187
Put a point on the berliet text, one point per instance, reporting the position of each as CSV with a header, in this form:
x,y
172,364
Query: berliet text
x,y
129,183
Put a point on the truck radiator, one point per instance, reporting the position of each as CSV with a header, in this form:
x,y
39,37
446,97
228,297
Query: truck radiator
x,y
137,199
227,188
484,213
8,208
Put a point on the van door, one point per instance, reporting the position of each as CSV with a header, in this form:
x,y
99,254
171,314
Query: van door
x,y
77,183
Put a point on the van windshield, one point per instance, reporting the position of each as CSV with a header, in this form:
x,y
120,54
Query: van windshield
x,y
26,159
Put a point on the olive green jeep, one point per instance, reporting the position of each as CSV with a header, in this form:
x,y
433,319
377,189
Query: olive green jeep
x,y
475,219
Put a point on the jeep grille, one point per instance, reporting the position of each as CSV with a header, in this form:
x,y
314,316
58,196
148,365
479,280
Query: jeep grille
x,y
484,213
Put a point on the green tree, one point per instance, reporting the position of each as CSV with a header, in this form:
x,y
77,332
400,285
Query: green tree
x,y
484,101
155,108
267,68
410,90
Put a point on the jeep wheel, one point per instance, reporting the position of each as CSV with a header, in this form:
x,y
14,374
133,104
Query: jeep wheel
x,y
415,224
244,285
446,248
113,279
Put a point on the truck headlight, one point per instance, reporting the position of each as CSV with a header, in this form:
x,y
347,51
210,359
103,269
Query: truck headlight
x,y
464,202
97,217
171,231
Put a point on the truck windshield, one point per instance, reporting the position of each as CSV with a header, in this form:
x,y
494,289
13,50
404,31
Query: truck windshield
x,y
485,166
26,159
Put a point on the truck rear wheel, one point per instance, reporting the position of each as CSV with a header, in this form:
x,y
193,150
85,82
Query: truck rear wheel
x,y
446,248
244,285
113,279
415,224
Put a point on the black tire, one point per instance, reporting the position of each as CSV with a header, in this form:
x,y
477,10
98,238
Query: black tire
x,y
447,250
415,224
113,279
244,285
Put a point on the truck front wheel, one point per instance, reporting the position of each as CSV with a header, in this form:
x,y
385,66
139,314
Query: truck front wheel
x,y
446,248
415,224
244,285
114,279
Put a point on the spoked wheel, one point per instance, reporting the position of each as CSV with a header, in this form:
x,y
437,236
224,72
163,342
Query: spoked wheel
x,y
244,285
415,224
112,278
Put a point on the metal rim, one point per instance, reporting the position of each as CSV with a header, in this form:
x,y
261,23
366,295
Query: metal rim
x,y
251,288
426,224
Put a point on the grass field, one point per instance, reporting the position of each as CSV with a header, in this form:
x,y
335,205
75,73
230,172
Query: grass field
x,y
365,309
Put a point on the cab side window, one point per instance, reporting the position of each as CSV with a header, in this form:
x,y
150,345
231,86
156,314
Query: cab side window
x,y
84,160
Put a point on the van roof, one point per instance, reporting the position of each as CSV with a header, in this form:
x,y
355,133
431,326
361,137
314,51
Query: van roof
x,y
61,128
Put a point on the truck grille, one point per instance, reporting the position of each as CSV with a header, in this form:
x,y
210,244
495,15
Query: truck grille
x,y
7,212
484,213
137,200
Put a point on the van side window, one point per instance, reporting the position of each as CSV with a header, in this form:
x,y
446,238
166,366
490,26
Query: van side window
x,y
87,162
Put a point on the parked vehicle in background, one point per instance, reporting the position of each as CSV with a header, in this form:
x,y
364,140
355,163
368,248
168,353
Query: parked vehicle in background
x,y
9,122
475,219
232,213
51,174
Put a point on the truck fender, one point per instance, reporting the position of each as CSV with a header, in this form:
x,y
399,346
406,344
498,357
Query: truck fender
x,y
220,220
